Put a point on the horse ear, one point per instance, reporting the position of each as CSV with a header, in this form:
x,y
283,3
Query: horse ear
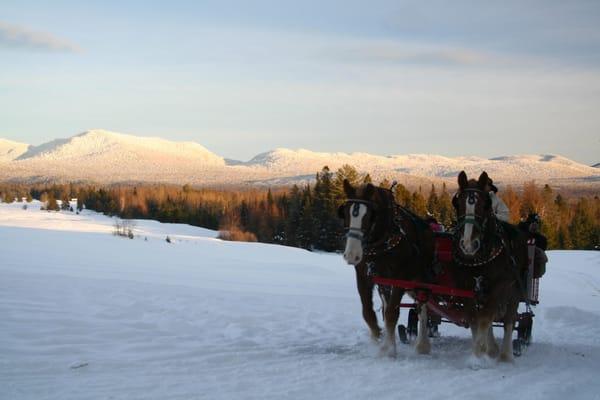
x,y
462,180
341,212
348,189
483,180
455,201
369,189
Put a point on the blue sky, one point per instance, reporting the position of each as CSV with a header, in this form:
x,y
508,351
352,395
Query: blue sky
x,y
242,77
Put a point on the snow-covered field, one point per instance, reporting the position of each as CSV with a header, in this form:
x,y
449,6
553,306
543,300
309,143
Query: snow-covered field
x,y
87,315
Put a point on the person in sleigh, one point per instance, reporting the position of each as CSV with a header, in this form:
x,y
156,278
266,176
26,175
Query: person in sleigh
x,y
531,227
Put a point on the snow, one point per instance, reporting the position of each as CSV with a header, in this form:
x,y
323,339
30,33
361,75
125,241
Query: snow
x,y
105,156
10,150
87,315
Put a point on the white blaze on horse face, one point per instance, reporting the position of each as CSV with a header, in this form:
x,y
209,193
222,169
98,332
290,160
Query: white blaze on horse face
x,y
354,251
466,243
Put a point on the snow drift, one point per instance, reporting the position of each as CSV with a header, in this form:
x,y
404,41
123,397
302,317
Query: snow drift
x,y
87,315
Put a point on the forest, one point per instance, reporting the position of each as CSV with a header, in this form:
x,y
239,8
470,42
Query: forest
x,y
306,216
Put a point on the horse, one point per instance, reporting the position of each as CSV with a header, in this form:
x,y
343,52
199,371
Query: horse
x,y
491,262
387,240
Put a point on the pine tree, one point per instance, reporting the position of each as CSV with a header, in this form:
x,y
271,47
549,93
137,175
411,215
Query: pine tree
x,y
512,201
403,196
306,229
294,214
581,228
446,211
65,201
326,223
433,202
418,203
52,204
345,172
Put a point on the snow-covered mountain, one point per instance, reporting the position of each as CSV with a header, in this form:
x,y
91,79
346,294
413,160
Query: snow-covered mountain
x,y
103,156
10,150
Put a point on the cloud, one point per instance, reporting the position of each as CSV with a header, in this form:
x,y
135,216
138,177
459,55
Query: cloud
x,y
13,36
403,53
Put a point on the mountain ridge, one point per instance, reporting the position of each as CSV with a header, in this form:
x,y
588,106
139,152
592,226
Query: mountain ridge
x,y
106,156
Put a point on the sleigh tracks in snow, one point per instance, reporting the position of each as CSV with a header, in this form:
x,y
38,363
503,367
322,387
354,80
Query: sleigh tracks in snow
x,y
446,302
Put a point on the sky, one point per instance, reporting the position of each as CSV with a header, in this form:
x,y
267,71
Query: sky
x,y
243,77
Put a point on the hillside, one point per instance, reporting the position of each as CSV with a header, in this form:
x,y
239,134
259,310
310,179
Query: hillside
x,y
108,157
86,315
10,150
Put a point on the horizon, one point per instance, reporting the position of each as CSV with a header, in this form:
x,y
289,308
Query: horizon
x,y
465,79
273,149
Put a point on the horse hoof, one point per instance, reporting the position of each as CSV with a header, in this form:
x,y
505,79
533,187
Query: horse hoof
x,y
423,348
493,352
508,358
376,335
388,352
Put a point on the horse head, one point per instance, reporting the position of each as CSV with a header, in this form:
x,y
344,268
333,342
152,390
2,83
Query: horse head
x,y
365,216
473,208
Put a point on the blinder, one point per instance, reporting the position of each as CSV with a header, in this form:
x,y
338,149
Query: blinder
x,y
354,205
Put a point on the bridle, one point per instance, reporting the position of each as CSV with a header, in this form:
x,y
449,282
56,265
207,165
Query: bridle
x,y
387,242
474,219
481,223
359,233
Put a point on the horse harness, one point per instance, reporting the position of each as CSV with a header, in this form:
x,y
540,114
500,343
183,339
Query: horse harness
x,y
498,244
389,241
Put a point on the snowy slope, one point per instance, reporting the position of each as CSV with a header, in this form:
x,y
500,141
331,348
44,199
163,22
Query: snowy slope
x,y
86,315
507,169
10,150
104,156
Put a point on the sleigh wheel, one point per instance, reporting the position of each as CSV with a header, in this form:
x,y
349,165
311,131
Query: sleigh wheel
x,y
517,347
433,330
433,324
524,328
413,323
402,334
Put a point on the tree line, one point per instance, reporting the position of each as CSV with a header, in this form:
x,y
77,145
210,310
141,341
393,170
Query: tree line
x,y
306,216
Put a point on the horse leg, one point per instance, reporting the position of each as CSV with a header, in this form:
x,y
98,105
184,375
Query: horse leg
x,y
506,353
492,347
423,345
483,325
365,291
391,314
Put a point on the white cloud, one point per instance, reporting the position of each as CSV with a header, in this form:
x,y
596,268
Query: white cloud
x,y
13,36
401,52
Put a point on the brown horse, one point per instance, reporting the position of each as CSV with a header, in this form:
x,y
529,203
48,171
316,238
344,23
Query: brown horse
x,y
491,263
385,239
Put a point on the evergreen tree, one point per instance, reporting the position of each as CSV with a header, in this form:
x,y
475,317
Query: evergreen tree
x,y
446,211
306,229
403,196
418,203
327,226
52,204
581,228
65,201
433,202
345,172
